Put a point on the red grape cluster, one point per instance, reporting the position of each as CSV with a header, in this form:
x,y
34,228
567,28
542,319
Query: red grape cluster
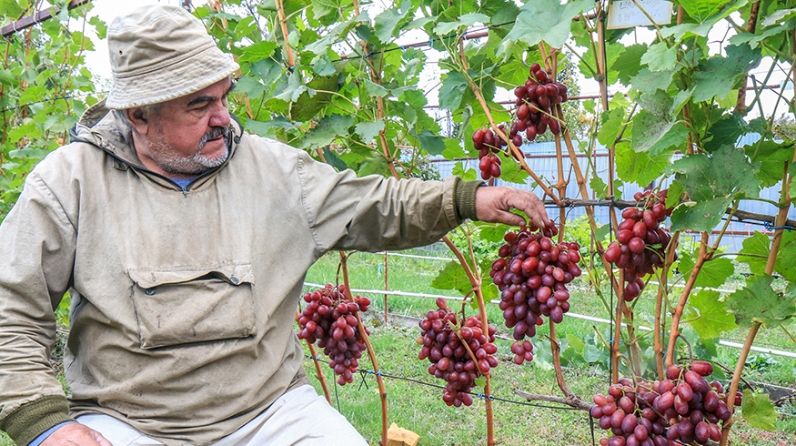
x,y
682,409
331,319
488,144
535,101
532,273
641,242
443,343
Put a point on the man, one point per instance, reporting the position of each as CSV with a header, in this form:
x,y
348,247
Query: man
x,y
184,243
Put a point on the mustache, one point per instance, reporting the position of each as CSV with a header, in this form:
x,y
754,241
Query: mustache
x,y
214,133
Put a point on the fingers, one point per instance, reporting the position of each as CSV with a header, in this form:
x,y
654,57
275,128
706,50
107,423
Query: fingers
x,y
533,208
102,441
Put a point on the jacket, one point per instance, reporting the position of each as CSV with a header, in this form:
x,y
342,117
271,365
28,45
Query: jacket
x,y
182,302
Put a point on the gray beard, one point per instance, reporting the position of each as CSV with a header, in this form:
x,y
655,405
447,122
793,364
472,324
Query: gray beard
x,y
195,164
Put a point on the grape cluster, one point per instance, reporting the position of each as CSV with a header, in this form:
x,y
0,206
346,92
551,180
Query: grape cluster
x,y
535,100
532,273
331,319
641,242
488,144
443,343
681,409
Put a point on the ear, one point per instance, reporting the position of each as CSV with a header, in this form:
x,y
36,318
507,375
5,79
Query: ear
x,y
138,119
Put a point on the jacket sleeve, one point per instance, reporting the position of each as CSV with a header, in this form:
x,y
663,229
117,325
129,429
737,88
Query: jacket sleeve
x,y
373,212
37,244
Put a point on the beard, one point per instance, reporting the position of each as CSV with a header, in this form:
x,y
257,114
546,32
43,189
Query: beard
x,y
192,165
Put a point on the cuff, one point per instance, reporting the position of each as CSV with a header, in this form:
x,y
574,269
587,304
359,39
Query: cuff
x,y
464,198
31,419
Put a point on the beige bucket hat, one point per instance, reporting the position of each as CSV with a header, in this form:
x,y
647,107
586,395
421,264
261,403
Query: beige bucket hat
x,y
159,53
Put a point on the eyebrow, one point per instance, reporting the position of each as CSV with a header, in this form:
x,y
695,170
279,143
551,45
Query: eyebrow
x,y
207,98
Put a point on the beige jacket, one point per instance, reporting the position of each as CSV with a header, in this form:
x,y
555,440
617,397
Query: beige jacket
x,y
182,302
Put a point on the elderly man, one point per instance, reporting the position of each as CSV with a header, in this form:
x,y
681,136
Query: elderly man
x,y
184,243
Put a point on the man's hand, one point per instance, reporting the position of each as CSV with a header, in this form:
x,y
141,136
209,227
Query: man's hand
x,y
76,434
493,204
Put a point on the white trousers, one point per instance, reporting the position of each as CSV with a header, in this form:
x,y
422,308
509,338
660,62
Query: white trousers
x,y
299,417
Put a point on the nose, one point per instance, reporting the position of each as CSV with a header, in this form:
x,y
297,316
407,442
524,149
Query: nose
x,y
220,117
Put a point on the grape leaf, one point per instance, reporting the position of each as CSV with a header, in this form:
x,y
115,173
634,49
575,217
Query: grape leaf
x,y
369,130
757,247
326,131
387,22
491,232
725,131
758,302
598,186
771,157
792,170
452,90
659,57
465,20
701,216
611,122
640,168
453,149
758,410
654,134
628,63
431,142
703,28
714,272
258,51
647,81
726,173
717,76
452,277
546,20
700,10
465,174
753,40
779,17
708,316
511,170
374,89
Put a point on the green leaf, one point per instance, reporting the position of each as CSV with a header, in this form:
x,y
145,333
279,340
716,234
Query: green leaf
x,y
725,131
452,277
546,20
369,130
311,101
714,272
327,130
659,57
770,157
511,170
453,149
611,122
461,172
701,216
628,63
100,26
700,10
755,252
432,143
655,135
676,190
640,168
465,20
779,17
598,186
453,88
647,81
792,170
258,51
374,89
718,75
387,22
10,8
758,302
702,29
708,316
758,410
724,173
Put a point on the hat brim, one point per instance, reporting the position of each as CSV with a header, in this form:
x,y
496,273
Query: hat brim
x,y
204,69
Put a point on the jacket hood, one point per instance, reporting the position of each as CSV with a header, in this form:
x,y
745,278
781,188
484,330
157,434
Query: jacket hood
x,y
101,128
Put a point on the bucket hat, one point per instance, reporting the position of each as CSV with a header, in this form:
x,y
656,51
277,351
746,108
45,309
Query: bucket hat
x,y
159,53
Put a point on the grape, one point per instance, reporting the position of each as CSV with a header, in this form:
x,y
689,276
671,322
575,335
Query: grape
x,y
677,410
534,100
442,341
640,241
488,145
330,319
532,273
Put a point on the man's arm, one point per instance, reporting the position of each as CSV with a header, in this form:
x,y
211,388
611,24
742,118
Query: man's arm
x,y
373,212
37,240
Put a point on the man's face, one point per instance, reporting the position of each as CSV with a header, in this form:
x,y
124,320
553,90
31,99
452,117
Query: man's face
x,y
189,135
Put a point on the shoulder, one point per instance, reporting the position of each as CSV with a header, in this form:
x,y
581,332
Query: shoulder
x,y
68,162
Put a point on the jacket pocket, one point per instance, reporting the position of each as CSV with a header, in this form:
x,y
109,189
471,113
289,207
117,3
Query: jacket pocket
x,y
186,306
